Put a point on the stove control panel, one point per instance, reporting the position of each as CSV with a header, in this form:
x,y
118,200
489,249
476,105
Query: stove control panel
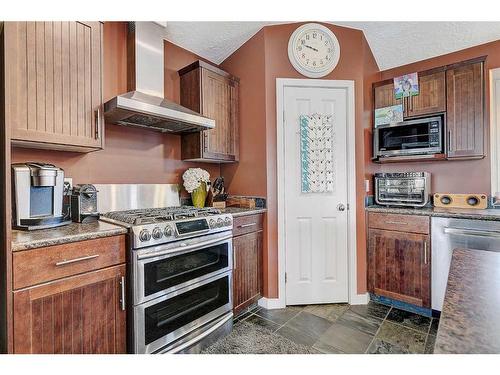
x,y
157,234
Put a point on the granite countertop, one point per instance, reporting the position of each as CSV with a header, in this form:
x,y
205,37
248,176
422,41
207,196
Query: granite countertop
x,y
239,211
24,240
469,321
459,213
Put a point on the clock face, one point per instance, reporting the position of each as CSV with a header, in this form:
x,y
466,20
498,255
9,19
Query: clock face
x,y
313,50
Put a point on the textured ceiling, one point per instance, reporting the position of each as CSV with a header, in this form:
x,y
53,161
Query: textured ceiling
x,y
393,43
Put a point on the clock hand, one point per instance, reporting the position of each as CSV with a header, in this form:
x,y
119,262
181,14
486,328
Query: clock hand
x,y
314,49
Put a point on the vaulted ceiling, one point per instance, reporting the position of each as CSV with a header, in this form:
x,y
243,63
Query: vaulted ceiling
x,y
392,43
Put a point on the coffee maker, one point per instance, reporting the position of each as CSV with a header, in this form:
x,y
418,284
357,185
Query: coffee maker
x,y
37,196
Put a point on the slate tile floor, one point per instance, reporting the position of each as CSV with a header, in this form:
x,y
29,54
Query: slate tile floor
x,y
340,328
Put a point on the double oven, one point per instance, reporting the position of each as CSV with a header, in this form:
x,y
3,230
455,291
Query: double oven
x,y
182,293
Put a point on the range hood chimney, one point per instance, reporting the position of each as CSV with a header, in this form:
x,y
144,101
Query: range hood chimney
x,y
144,106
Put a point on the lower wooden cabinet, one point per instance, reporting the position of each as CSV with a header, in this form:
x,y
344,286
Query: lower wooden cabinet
x,y
247,270
79,314
399,266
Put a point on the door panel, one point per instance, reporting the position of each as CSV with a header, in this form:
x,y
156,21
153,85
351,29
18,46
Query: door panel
x,y
79,314
431,98
56,74
247,271
399,266
465,111
315,231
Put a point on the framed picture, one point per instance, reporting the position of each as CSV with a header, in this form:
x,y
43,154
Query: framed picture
x,y
406,85
389,115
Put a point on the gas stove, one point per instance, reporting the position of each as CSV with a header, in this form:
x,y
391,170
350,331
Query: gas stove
x,y
156,226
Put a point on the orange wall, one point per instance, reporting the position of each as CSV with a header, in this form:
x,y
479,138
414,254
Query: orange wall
x,y
130,155
452,176
356,63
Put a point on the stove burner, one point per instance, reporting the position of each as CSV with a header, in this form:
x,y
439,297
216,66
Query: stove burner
x,y
158,215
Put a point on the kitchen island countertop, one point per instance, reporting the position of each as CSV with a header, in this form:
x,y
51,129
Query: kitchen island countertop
x,y
74,232
469,321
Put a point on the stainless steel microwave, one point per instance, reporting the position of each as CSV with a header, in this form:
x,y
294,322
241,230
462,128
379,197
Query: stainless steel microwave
x,y
422,136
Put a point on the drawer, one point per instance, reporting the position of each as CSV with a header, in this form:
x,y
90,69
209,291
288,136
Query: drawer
x,y
401,223
247,224
37,266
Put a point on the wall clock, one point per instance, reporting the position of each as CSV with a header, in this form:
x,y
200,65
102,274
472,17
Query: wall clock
x,y
313,50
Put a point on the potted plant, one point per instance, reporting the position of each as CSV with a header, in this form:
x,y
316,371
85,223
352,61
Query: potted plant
x,y
195,183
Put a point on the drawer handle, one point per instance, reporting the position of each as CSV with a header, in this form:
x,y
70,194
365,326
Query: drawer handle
x,y
64,262
396,222
247,225
425,252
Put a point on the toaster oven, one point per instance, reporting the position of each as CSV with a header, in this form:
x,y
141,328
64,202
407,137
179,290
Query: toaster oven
x,y
409,189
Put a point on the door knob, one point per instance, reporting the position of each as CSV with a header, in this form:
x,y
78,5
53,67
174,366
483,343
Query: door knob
x,y
340,207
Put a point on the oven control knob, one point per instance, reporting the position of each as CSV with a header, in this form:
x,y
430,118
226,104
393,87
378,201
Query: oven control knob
x,y
211,223
220,222
168,231
157,234
228,221
145,235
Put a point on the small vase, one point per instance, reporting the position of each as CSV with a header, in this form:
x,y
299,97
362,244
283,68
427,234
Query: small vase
x,y
199,195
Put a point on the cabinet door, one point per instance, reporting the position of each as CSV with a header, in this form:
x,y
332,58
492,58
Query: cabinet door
x,y
55,85
384,96
465,111
431,98
219,102
399,266
247,271
80,314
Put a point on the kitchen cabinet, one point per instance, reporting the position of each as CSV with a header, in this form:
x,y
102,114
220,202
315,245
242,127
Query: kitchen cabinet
x,y
81,309
465,111
399,258
54,84
430,100
214,94
247,262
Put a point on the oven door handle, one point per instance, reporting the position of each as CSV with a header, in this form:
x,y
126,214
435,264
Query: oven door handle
x,y
200,337
472,232
184,248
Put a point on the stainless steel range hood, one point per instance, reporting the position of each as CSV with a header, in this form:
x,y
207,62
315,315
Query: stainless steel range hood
x,y
144,106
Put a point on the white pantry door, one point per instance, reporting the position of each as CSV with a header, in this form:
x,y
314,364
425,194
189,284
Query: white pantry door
x,y
315,222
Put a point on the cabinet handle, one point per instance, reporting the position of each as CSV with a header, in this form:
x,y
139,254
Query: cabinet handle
x,y
97,123
449,141
122,296
64,262
247,225
396,222
425,252
234,257
205,141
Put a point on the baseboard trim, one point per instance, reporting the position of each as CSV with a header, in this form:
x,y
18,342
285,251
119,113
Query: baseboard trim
x,y
360,299
271,303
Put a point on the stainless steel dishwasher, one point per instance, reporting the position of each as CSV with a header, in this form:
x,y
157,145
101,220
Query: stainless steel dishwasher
x,y
449,234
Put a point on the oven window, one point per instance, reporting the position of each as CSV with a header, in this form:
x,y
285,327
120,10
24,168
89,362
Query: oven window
x,y
168,316
169,272
414,136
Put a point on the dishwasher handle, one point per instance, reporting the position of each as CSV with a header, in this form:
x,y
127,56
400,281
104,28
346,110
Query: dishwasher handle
x,y
472,232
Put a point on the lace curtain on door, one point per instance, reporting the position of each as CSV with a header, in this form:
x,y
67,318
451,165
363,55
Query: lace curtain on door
x,y
316,153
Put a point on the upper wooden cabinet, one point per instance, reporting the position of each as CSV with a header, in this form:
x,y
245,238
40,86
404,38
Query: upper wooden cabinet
x,y
54,84
214,94
431,98
465,111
